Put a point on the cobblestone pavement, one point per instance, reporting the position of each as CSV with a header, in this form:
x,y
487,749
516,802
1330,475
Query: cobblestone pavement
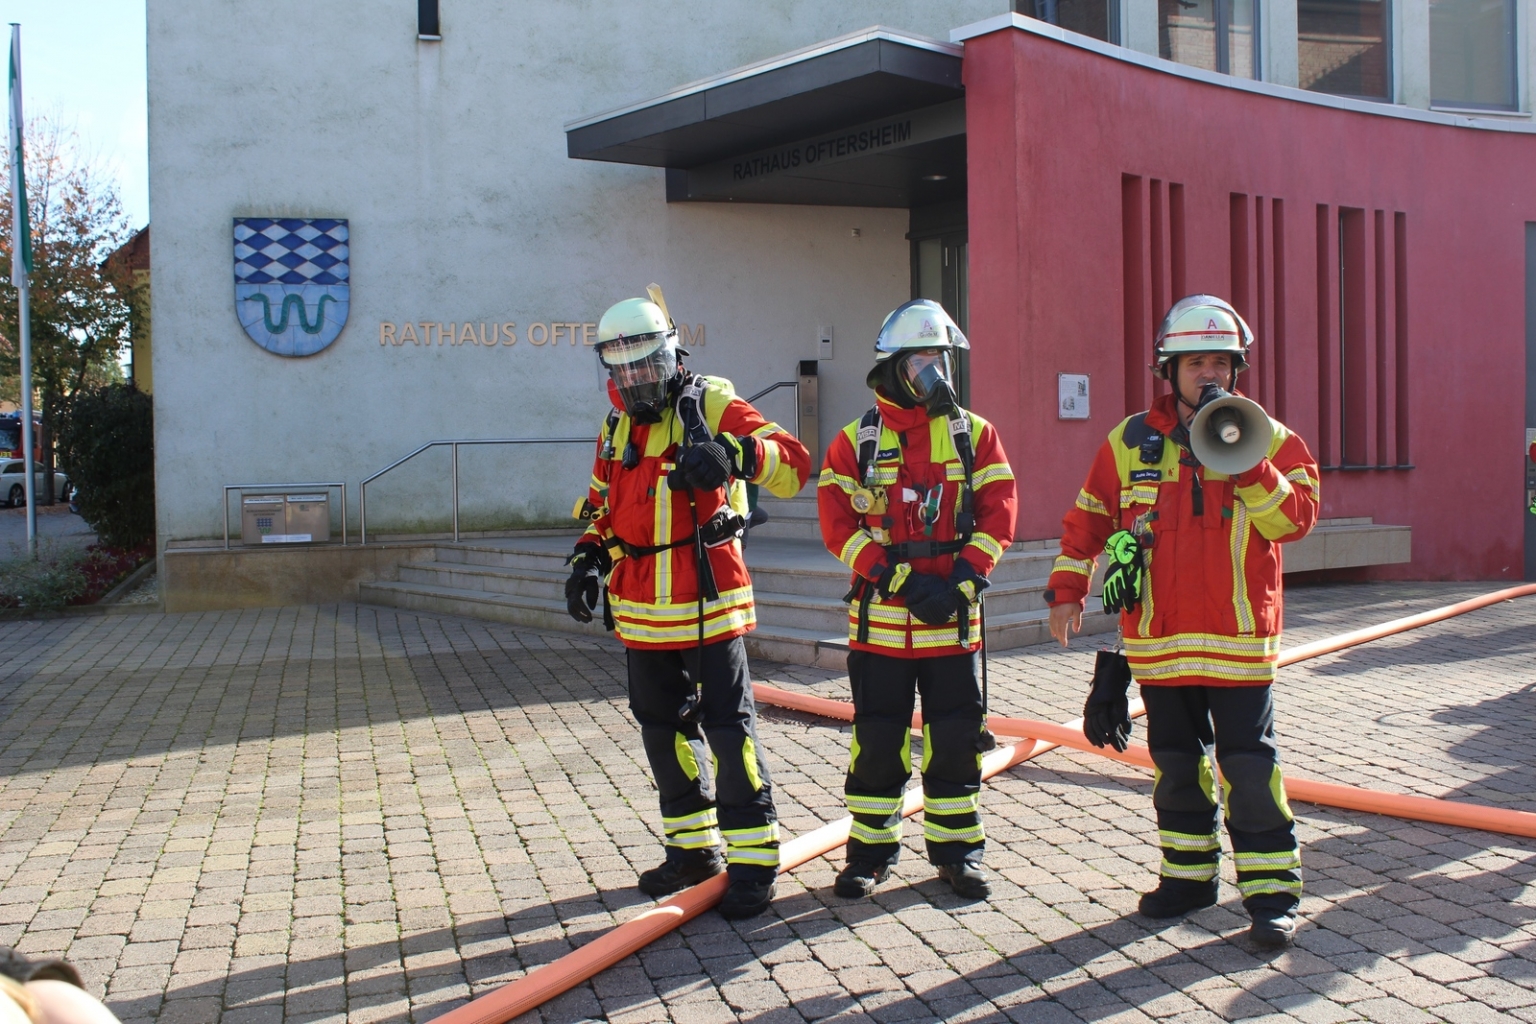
x,y
355,813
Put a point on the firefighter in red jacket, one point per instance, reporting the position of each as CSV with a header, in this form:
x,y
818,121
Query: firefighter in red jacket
x,y
667,500
1195,571
918,500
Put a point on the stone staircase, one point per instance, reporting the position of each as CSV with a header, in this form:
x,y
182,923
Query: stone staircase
x,y
801,617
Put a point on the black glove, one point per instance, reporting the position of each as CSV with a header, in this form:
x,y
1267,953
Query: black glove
x,y
968,583
929,598
1107,715
589,564
745,454
704,467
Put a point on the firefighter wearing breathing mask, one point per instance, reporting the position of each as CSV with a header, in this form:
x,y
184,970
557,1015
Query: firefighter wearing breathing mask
x,y
1195,574
667,504
916,497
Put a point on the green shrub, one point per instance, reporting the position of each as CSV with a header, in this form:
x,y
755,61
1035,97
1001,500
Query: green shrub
x,y
46,585
106,441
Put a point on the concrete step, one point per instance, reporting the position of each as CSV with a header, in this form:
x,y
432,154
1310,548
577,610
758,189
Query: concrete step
x,y
540,582
514,609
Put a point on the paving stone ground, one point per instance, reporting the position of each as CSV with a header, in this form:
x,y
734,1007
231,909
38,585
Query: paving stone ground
x,y
356,813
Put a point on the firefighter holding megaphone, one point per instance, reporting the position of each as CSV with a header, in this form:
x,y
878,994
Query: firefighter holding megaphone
x,y
1192,500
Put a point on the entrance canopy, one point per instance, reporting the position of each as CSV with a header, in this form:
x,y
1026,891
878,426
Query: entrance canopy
x,y
874,118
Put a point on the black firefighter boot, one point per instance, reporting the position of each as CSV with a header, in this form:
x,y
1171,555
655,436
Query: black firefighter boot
x,y
1175,897
681,870
967,878
748,896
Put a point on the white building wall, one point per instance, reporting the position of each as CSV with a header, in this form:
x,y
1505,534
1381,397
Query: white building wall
x,y
448,159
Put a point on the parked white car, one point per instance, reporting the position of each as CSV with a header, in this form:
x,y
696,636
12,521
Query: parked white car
x,y
13,483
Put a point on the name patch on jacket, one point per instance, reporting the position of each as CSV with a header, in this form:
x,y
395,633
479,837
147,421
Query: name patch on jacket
x,y
888,453
1141,475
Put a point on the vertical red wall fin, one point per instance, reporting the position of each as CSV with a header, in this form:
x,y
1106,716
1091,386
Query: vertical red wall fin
x,y
1132,217
1157,297
1353,390
1276,340
1400,324
1382,341
1264,387
1327,350
1176,239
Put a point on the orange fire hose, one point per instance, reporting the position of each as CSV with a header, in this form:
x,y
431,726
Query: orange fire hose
x,y
544,983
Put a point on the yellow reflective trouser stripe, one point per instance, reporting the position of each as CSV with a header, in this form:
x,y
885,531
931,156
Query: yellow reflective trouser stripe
x,y
940,834
1286,860
882,805
867,834
755,836
1188,841
705,839
705,818
686,760
749,762
1260,886
952,804
763,856
1193,872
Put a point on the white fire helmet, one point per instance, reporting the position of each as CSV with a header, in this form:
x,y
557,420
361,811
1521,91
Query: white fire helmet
x,y
913,354
637,345
1202,323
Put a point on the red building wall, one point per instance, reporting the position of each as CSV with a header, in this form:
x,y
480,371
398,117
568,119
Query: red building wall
x,y
1101,190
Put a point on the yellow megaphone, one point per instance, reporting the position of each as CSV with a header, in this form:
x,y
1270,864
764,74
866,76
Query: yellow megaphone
x,y
1229,433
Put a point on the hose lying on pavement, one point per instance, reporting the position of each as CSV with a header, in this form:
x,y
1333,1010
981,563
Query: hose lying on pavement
x,y
545,983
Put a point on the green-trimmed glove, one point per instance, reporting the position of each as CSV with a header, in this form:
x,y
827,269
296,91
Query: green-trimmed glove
x,y
1122,582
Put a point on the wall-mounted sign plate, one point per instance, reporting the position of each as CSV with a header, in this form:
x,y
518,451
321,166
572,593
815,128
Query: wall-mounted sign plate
x,y
292,282
1071,396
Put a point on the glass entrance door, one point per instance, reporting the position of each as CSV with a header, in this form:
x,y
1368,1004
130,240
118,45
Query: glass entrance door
x,y
940,271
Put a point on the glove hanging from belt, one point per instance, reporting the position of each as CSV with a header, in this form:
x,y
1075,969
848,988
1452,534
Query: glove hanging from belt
x,y
1106,715
1122,581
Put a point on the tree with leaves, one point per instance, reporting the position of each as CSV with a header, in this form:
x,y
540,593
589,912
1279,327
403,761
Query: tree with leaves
x,y
80,311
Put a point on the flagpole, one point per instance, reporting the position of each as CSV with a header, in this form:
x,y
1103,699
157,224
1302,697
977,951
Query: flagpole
x,y
21,265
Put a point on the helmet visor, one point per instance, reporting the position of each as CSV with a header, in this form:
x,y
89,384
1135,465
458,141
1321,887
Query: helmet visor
x,y
641,368
924,370
634,349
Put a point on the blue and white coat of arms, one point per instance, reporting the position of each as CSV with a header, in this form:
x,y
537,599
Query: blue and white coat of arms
x,y
292,288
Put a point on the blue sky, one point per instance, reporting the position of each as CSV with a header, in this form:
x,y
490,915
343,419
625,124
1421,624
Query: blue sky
x,y
82,62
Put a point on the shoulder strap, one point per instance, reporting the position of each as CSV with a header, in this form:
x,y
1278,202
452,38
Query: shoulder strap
x,y
690,410
870,429
960,435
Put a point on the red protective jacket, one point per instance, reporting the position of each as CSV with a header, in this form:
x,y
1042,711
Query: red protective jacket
x,y
654,598
1210,612
915,454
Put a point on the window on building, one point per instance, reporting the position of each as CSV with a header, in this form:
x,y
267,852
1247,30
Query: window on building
x,y
1097,18
1342,47
427,26
1472,53
1218,35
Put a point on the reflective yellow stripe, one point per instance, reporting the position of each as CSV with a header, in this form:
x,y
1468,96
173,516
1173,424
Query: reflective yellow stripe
x,y
1081,566
1286,860
990,474
762,856
1193,872
1188,841
1242,607
686,760
882,805
1088,503
749,762
755,836
939,834
1176,668
700,840
706,817
952,804
833,479
1261,886
988,544
853,547
1203,643
663,534
868,834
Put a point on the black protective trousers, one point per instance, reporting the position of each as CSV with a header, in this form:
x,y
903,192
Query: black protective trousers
x,y
697,811
880,755
1184,723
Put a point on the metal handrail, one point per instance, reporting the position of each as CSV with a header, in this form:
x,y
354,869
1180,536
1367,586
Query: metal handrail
x,y
455,443
288,487
774,387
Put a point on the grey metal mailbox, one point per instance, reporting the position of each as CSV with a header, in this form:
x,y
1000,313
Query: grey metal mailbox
x,y
308,518
262,516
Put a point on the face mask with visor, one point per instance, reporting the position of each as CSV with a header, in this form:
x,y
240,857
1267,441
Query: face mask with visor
x,y
642,369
